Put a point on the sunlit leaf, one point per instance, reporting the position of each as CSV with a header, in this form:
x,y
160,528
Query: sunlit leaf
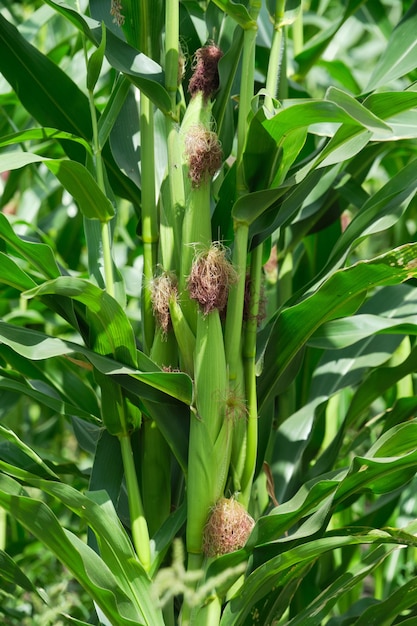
x,y
35,345
400,55
336,297
86,566
237,11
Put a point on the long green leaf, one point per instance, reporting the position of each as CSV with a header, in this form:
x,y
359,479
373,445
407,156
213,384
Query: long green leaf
x,y
11,274
319,608
61,407
42,134
237,11
143,72
36,345
386,610
74,177
78,181
400,55
336,297
10,571
38,254
59,103
110,331
264,579
85,565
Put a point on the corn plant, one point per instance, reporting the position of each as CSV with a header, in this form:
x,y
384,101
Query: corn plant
x,y
207,275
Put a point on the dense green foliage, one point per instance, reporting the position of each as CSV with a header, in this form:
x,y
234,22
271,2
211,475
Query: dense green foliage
x,y
174,338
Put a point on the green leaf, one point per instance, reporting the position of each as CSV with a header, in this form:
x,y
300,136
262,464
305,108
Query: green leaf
x,y
379,212
113,107
346,331
123,137
78,181
98,512
61,407
140,69
381,378
400,55
37,254
387,104
320,607
338,296
59,103
36,345
110,330
237,11
387,610
143,72
42,134
73,620
95,61
270,527
12,275
85,565
356,110
264,579
267,158
251,206
10,571
74,177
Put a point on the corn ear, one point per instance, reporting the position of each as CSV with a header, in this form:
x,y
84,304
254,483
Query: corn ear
x,y
197,113
184,336
164,350
196,228
197,220
209,438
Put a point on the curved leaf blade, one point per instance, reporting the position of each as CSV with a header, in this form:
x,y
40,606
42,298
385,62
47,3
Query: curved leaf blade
x,y
338,296
10,571
59,103
37,346
400,55
86,566
141,70
39,255
237,11
78,181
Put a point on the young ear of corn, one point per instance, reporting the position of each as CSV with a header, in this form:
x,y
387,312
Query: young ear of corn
x,y
155,451
210,431
196,225
184,336
201,159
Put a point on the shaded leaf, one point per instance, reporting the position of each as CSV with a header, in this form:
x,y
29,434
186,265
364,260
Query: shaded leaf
x,y
10,571
95,62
